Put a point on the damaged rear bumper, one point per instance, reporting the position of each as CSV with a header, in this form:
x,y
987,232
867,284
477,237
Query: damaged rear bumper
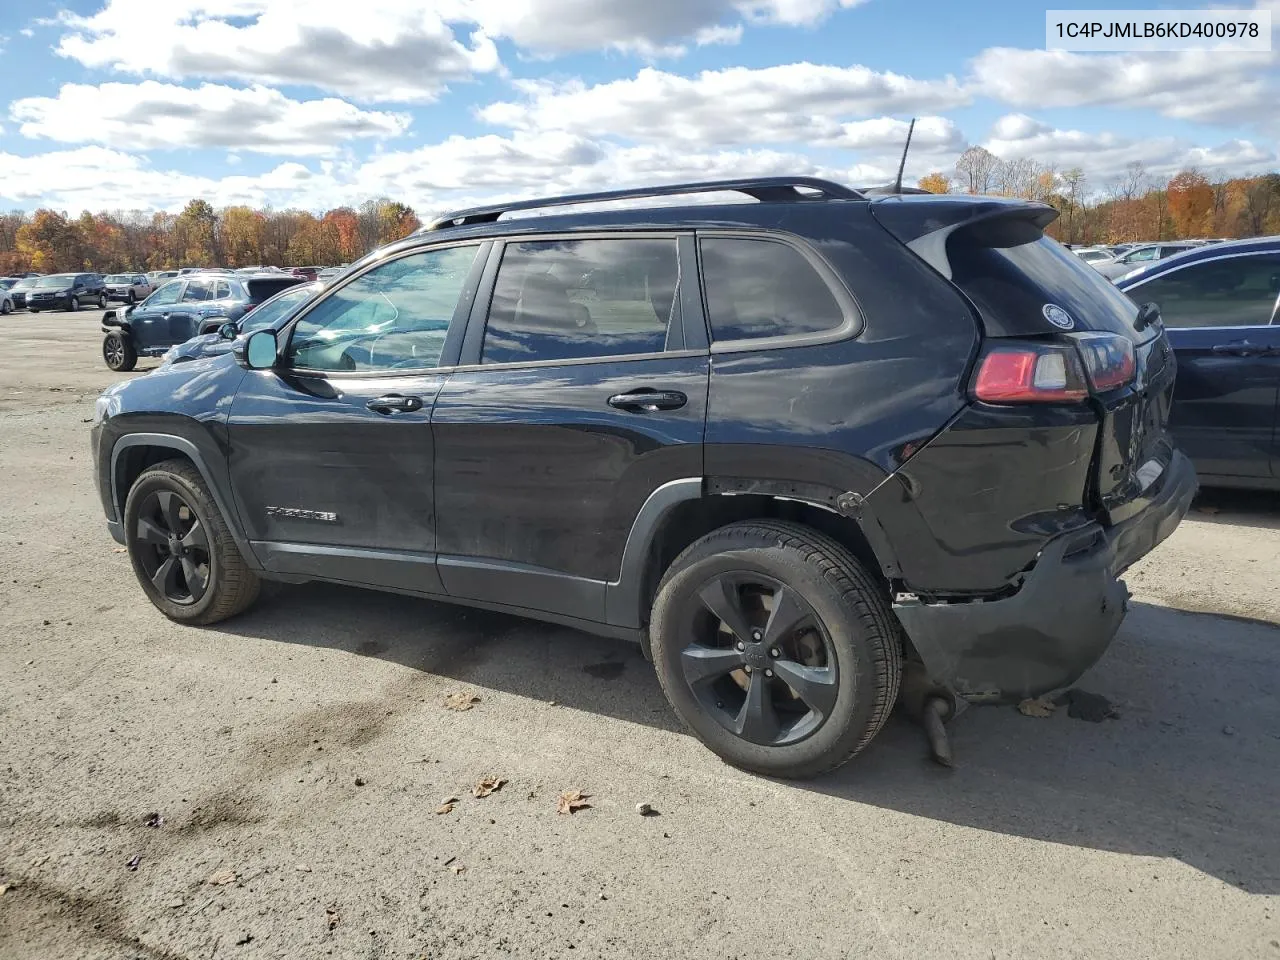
x,y
1063,617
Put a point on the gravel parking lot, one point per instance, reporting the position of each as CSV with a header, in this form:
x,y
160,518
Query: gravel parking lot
x,y
301,753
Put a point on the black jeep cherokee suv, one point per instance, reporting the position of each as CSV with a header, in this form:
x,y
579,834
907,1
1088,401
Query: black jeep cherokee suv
x,y
813,452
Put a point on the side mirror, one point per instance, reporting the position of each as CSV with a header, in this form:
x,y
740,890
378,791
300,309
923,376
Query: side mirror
x,y
228,331
256,351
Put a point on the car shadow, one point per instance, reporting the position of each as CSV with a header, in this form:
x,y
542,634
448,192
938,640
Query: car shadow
x,y
1190,770
1252,508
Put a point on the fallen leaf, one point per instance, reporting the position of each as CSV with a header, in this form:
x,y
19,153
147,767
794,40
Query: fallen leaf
x,y
222,877
487,786
134,861
1038,707
572,801
457,868
444,808
6,887
153,820
118,550
332,917
461,701
302,868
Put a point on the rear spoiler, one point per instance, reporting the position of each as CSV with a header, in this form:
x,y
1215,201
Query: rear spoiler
x,y
926,225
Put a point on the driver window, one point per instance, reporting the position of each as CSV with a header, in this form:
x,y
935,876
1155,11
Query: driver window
x,y
395,316
167,294
1146,253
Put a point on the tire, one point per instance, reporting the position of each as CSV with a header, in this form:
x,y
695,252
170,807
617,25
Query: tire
x,y
74,305
6,307
132,297
102,301
158,499
853,646
118,353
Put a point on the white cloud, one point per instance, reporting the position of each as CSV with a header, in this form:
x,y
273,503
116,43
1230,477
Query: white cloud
x,y
791,103
376,50
158,116
1103,156
1199,86
395,50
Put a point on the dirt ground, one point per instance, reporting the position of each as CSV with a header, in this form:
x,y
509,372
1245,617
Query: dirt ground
x,y
302,751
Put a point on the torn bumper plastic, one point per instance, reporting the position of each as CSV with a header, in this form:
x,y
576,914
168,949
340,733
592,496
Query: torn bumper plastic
x,y
1064,616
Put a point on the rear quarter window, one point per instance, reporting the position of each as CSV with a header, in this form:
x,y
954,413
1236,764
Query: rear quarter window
x,y
1010,286
760,288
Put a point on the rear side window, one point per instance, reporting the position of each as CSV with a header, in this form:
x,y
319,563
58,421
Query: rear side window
x,y
1012,285
222,291
1235,292
579,299
763,288
198,290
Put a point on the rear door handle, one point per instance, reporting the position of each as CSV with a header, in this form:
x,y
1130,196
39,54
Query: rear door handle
x,y
395,403
1239,348
648,401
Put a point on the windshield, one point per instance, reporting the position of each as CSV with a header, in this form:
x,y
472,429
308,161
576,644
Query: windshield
x,y
271,311
55,282
120,278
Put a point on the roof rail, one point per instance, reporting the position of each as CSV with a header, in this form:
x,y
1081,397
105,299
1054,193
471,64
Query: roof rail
x,y
764,189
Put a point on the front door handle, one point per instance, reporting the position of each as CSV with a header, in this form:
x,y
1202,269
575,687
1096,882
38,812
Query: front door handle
x,y
1239,348
395,403
648,401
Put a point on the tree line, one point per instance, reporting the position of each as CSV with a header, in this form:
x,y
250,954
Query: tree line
x,y
50,242
1135,206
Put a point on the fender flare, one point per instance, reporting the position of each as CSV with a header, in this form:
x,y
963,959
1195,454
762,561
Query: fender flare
x,y
188,449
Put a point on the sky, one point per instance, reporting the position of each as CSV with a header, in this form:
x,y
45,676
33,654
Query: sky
x,y
146,104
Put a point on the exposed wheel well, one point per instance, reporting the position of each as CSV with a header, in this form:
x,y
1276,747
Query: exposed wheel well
x,y
132,461
693,519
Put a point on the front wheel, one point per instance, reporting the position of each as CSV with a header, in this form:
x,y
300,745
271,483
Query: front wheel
x,y
102,301
119,353
5,307
778,649
132,298
182,551
74,305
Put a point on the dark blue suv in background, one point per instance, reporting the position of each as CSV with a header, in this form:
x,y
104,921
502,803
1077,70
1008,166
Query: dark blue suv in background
x,y
183,308
815,453
1219,306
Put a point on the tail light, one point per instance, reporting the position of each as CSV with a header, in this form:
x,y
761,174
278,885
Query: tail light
x,y
1109,360
1026,372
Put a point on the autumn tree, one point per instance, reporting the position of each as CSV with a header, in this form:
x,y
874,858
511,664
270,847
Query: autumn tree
x,y
936,182
242,229
1190,199
50,243
196,228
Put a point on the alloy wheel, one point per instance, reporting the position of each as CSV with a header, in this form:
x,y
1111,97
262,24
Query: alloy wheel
x,y
761,662
172,546
113,352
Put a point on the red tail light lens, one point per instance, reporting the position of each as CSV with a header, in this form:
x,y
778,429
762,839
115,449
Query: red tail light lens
x,y
1025,372
1109,359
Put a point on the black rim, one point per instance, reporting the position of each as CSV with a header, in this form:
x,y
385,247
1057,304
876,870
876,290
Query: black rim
x,y
172,546
761,663
114,349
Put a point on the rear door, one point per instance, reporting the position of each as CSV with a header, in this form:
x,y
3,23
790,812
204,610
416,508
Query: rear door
x,y
1219,314
582,390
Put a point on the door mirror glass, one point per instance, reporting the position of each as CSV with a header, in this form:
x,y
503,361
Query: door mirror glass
x,y
228,331
260,350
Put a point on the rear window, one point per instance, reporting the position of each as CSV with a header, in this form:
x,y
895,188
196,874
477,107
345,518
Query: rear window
x,y
1013,285
267,287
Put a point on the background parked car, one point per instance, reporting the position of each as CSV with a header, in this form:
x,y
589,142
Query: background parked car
x,y
1139,256
1218,305
271,313
183,308
1093,254
18,292
130,287
157,277
66,291
6,300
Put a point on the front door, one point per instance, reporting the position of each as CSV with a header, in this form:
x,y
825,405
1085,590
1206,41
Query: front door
x,y
149,320
583,393
331,451
1219,315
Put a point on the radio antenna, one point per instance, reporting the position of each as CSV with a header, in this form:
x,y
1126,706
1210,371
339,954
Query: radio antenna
x,y
897,184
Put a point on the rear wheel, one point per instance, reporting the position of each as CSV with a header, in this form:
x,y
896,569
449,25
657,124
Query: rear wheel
x,y
776,647
182,551
119,353
102,301
5,306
